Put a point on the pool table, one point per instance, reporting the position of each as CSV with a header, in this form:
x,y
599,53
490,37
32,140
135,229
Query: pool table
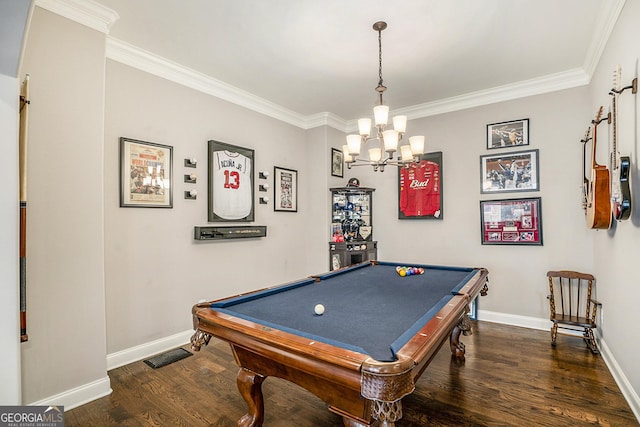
x,y
377,335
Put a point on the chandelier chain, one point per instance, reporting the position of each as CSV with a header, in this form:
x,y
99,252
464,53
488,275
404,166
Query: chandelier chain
x,y
380,58
380,89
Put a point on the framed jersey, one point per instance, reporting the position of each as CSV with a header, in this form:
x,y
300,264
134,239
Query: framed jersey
x,y
420,188
230,185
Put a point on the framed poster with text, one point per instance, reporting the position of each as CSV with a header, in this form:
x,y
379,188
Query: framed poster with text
x,y
285,190
145,174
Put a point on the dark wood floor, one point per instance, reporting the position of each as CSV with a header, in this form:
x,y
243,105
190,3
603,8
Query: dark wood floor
x,y
511,377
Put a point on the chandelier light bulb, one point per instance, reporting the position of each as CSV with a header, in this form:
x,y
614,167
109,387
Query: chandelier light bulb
x,y
381,114
353,141
400,123
364,127
390,139
346,154
407,155
375,154
417,144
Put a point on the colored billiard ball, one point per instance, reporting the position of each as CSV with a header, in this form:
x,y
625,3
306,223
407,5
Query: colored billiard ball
x,y
319,309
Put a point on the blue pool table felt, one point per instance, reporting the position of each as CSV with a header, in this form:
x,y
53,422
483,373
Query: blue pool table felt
x,y
369,309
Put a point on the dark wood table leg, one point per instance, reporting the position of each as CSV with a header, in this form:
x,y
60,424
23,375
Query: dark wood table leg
x,y
457,348
386,412
250,386
384,385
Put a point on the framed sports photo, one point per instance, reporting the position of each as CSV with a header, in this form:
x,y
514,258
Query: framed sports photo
x,y
285,190
145,174
509,172
337,163
511,222
420,188
230,185
508,134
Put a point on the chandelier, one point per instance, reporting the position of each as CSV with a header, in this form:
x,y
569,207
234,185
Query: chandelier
x,y
388,139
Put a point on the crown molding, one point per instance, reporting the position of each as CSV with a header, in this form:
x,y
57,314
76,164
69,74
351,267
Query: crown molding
x,y
326,119
85,12
609,13
133,56
545,84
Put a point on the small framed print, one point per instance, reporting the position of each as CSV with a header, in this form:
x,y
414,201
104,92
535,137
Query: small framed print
x,y
508,134
511,222
145,174
337,163
230,185
509,172
285,190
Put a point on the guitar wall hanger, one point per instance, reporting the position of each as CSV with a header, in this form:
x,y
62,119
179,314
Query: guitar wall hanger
x,y
599,120
633,86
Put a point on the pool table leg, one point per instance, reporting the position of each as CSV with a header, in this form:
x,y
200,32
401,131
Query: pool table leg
x,y
250,386
463,326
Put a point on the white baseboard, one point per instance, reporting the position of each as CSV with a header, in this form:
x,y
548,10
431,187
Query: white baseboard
x,y
78,396
514,320
142,351
545,324
625,386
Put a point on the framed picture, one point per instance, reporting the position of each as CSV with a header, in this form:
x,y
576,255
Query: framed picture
x,y
145,174
230,185
337,163
511,222
509,172
508,134
285,190
420,188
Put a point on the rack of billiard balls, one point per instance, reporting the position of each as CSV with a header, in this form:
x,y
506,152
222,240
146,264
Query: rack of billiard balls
x,y
409,271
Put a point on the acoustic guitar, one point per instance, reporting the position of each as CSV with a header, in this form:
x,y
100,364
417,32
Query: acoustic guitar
x,y
599,195
620,165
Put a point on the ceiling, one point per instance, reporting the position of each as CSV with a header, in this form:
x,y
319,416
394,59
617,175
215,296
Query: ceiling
x,y
315,56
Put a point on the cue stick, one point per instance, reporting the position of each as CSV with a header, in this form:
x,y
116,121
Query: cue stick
x,y
22,155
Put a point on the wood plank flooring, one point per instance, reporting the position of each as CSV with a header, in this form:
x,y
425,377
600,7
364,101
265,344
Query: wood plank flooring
x,y
511,377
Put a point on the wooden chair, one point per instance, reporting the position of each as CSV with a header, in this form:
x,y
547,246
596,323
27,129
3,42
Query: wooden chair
x,y
571,306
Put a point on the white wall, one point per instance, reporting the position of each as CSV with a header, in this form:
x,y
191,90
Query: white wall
x,y
616,250
9,256
65,268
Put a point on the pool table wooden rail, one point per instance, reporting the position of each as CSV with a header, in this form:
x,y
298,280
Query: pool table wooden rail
x,y
354,385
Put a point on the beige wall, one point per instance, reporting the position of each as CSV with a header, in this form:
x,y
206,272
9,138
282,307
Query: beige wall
x,y
616,250
65,239
155,271
152,271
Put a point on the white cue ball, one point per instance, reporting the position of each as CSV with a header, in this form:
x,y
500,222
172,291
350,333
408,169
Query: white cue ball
x,y
319,309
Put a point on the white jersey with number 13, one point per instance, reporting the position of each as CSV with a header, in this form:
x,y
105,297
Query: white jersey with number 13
x,y
232,185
